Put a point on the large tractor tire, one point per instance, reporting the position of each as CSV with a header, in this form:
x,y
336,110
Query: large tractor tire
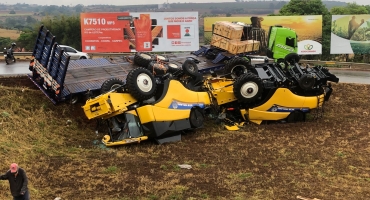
x,y
236,67
248,88
292,58
158,69
143,59
110,84
190,68
141,84
307,81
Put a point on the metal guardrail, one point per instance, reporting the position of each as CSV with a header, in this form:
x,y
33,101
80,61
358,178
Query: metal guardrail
x,y
311,62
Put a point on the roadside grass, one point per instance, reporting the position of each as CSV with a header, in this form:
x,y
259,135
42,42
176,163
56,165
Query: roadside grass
x,y
324,159
12,34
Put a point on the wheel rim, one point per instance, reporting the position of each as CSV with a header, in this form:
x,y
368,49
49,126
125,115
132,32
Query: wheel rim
x,y
238,70
173,66
249,90
146,56
161,57
144,82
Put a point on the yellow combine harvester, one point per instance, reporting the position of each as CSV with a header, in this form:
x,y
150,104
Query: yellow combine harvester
x,y
161,107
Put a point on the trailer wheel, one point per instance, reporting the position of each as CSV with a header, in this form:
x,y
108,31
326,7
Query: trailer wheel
x,y
110,84
190,68
196,118
236,67
307,81
141,84
248,88
74,99
157,68
292,58
142,59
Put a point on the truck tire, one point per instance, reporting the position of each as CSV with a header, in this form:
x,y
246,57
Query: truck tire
x,y
236,67
292,58
190,68
157,69
307,81
110,84
141,84
248,88
142,59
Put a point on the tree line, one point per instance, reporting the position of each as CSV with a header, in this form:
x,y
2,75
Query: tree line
x,y
67,29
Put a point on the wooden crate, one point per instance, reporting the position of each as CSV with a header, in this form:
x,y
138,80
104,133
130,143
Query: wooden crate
x,y
220,42
228,30
252,45
236,46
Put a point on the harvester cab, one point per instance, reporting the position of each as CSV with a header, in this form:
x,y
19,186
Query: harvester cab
x,y
281,42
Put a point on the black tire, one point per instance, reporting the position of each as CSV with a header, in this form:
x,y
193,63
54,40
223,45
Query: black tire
x,y
74,99
173,68
296,116
190,68
6,60
196,118
236,67
161,58
307,81
158,69
110,84
143,59
248,88
141,84
292,58
83,57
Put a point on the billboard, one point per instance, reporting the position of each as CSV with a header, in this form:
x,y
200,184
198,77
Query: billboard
x,y
350,34
308,28
132,32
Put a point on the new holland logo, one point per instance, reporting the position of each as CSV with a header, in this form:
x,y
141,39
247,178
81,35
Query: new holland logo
x,y
308,46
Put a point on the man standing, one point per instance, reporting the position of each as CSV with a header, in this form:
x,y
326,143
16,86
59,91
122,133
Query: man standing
x,y
18,182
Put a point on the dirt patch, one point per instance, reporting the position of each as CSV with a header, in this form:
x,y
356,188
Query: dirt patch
x,y
325,159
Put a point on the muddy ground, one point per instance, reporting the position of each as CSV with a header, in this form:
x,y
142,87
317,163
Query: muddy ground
x,y
324,159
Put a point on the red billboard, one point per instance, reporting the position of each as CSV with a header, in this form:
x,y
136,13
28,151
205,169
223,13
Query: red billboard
x,y
130,32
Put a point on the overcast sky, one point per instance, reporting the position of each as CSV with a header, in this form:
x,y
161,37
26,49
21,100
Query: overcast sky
x,y
133,2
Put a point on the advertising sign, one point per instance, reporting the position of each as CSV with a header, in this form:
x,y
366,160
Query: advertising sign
x,y
307,27
131,32
350,34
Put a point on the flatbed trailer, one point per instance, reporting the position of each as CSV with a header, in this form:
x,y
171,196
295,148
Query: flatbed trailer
x,y
62,79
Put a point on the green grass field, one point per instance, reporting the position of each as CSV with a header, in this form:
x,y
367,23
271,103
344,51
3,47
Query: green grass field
x,y
325,159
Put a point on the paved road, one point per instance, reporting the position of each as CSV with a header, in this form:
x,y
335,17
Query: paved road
x,y
14,68
345,76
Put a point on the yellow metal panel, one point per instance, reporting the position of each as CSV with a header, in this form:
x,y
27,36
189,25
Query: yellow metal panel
x,y
266,115
107,105
164,114
177,92
151,113
284,97
146,114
